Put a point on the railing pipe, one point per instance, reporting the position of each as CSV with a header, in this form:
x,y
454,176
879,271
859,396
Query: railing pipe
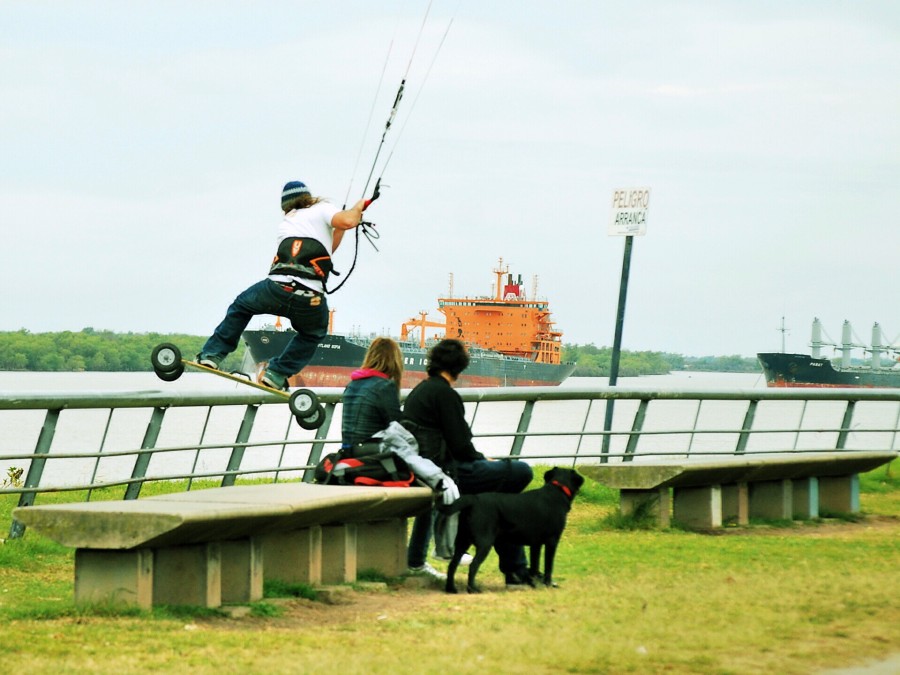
x,y
160,402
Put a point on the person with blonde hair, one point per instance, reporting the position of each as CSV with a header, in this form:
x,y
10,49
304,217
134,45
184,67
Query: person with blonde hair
x,y
372,399
371,413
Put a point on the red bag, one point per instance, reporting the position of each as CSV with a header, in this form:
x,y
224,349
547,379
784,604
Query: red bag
x,y
383,469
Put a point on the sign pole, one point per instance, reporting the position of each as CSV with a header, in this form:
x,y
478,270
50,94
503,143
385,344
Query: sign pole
x,y
617,341
629,218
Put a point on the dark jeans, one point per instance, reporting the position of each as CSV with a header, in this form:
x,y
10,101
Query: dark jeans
x,y
307,312
503,475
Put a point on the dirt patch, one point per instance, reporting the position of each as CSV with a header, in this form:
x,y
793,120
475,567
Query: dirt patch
x,y
832,528
349,606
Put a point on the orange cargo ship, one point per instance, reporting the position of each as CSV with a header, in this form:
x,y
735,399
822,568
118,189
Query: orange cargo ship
x,y
511,341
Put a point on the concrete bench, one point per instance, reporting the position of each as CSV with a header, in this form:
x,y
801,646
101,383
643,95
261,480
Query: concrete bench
x,y
217,546
702,493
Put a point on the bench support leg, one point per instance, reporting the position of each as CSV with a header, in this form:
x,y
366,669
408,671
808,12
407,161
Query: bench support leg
x,y
806,498
839,494
294,557
736,504
124,577
655,502
698,507
772,500
242,571
382,547
339,554
188,575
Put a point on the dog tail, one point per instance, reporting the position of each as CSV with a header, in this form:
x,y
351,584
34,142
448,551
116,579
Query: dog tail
x,y
460,504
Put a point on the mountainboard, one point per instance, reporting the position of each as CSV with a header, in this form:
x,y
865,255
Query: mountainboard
x,y
168,364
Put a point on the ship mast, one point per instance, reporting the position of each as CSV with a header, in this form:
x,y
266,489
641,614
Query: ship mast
x,y
783,331
500,271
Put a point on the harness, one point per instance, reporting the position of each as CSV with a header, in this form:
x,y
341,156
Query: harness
x,y
302,257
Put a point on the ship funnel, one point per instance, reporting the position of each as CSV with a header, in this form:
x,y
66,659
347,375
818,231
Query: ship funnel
x,y
846,344
816,343
876,346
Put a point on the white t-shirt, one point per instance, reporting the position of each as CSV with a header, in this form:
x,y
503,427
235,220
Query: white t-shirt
x,y
313,222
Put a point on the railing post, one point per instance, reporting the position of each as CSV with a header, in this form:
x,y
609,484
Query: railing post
x,y
315,452
190,482
524,421
237,452
845,425
746,428
100,450
636,427
694,428
133,490
584,424
36,467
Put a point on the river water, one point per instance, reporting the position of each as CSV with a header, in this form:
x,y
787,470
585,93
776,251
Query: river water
x,y
93,430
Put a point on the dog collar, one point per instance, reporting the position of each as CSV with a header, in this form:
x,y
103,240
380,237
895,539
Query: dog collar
x,y
562,487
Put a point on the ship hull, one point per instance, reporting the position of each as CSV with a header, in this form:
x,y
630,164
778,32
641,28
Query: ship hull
x,y
338,356
802,370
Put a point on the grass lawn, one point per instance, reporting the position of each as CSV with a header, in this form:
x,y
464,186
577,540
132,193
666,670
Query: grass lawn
x,y
772,597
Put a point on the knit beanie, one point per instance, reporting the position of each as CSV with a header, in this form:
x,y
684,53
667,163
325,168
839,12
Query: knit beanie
x,y
292,190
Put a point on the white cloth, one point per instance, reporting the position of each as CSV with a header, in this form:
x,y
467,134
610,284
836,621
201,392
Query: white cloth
x,y
313,222
449,491
398,440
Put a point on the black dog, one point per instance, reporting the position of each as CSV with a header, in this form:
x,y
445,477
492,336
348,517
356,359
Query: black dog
x,y
535,518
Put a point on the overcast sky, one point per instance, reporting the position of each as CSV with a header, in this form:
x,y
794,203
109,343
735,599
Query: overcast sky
x,y
143,147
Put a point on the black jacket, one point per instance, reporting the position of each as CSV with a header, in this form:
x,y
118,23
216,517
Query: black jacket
x,y
436,405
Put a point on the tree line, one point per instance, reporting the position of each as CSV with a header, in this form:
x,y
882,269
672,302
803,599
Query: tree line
x,y
595,361
102,350
93,350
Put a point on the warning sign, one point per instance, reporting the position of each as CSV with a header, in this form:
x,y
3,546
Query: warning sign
x,y
629,212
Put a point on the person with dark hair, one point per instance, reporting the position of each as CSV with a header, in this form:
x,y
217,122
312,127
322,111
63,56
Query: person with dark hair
x,y
310,232
436,414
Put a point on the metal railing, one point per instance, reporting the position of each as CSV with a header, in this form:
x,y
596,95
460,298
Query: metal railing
x,y
88,441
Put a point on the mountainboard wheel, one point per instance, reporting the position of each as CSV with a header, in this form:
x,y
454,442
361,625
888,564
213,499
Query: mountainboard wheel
x,y
313,421
166,358
302,402
171,375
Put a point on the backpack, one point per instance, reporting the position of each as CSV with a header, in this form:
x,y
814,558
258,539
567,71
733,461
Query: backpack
x,y
364,464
